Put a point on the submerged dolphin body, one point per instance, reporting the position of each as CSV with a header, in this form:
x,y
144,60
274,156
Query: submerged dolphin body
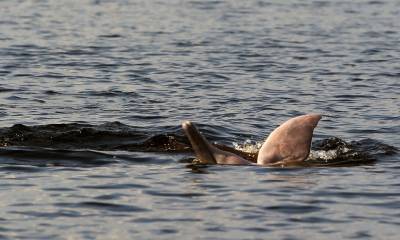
x,y
288,144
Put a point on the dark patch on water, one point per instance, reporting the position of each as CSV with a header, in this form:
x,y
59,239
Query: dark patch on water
x,y
159,219
49,215
293,209
105,137
44,157
2,89
113,207
110,36
174,195
115,186
110,196
12,168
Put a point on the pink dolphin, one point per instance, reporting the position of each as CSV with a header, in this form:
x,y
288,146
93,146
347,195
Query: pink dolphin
x,y
287,145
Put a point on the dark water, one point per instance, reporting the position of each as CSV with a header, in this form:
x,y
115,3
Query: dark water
x,y
92,94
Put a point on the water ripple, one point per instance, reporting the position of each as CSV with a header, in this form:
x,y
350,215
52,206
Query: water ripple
x,y
92,94
103,206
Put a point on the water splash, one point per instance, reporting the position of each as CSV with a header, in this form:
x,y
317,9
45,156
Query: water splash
x,y
334,151
248,146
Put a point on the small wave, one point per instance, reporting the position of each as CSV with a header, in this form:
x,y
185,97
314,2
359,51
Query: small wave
x,y
110,36
41,157
113,207
109,93
2,89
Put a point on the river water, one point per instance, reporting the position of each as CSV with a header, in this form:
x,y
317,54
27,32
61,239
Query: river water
x,y
92,94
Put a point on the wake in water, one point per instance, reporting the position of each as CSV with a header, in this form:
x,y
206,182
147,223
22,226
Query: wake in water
x,y
86,145
334,151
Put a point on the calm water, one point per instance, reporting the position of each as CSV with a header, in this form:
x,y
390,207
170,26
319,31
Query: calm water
x,y
92,94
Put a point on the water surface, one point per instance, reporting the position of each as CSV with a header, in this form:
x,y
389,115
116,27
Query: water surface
x,y
92,94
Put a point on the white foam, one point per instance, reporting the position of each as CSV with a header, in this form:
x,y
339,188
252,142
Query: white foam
x,y
327,155
248,146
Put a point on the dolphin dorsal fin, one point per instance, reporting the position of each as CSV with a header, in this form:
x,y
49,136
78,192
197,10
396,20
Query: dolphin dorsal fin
x,y
205,152
290,142
200,145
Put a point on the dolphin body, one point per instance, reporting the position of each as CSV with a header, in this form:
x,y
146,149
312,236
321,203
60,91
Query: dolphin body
x,y
289,144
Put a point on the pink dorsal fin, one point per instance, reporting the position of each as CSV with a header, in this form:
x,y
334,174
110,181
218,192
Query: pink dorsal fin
x,y
290,142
